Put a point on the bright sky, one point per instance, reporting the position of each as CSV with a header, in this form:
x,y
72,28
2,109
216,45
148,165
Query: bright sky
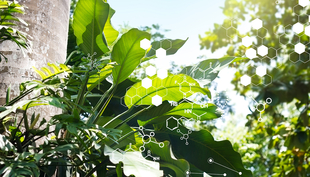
x,y
184,19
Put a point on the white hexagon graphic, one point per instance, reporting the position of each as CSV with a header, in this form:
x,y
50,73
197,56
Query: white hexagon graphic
x,y
145,44
250,53
162,73
307,30
161,52
298,27
300,48
303,3
247,41
245,80
257,24
150,70
262,50
261,71
157,100
146,83
171,120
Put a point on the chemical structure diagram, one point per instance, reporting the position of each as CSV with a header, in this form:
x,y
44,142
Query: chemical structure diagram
x,y
260,107
148,138
204,174
173,123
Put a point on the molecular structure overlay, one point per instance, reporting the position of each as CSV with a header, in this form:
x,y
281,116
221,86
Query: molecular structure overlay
x,y
261,77
261,107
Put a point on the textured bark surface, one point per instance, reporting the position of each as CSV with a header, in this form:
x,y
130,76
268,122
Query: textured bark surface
x,y
48,28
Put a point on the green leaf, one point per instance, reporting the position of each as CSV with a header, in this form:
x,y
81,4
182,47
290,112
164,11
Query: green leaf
x,y
134,163
109,32
171,46
127,132
96,79
198,112
128,54
172,88
179,166
207,70
89,19
202,146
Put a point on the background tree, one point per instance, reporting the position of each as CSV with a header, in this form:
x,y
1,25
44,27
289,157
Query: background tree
x,y
279,145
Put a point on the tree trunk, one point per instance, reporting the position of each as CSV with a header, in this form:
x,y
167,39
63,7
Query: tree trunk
x,y
48,27
48,22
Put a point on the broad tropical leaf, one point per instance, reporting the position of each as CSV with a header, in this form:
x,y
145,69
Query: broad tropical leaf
x,y
134,163
96,79
89,19
221,153
171,46
166,159
195,111
109,32
172,88
128,54
207,70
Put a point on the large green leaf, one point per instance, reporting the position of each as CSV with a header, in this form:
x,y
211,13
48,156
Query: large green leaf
x,y
97,78
179,166
134,163
89,19
172,88
201,148
128,54
171,46
207,70
109,32
195,111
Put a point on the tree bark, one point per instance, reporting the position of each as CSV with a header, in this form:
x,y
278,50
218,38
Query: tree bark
x,y
48,28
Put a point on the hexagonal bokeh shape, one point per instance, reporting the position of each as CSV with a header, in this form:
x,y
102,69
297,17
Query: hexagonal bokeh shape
x,y
161,52
245,80
262,50
145,44
250,53
172,123
298,28
247,41
261,71
257,24
300,48
303,3
150,70
157,100
162,73
307,30
146,83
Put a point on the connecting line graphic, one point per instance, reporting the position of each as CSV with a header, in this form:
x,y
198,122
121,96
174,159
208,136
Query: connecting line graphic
x,y
211,161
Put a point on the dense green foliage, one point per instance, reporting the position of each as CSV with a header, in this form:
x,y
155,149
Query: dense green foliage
x,y
110,124
279,145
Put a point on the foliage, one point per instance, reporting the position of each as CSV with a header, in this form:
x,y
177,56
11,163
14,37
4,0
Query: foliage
x,y
8,11
108,121
281,142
